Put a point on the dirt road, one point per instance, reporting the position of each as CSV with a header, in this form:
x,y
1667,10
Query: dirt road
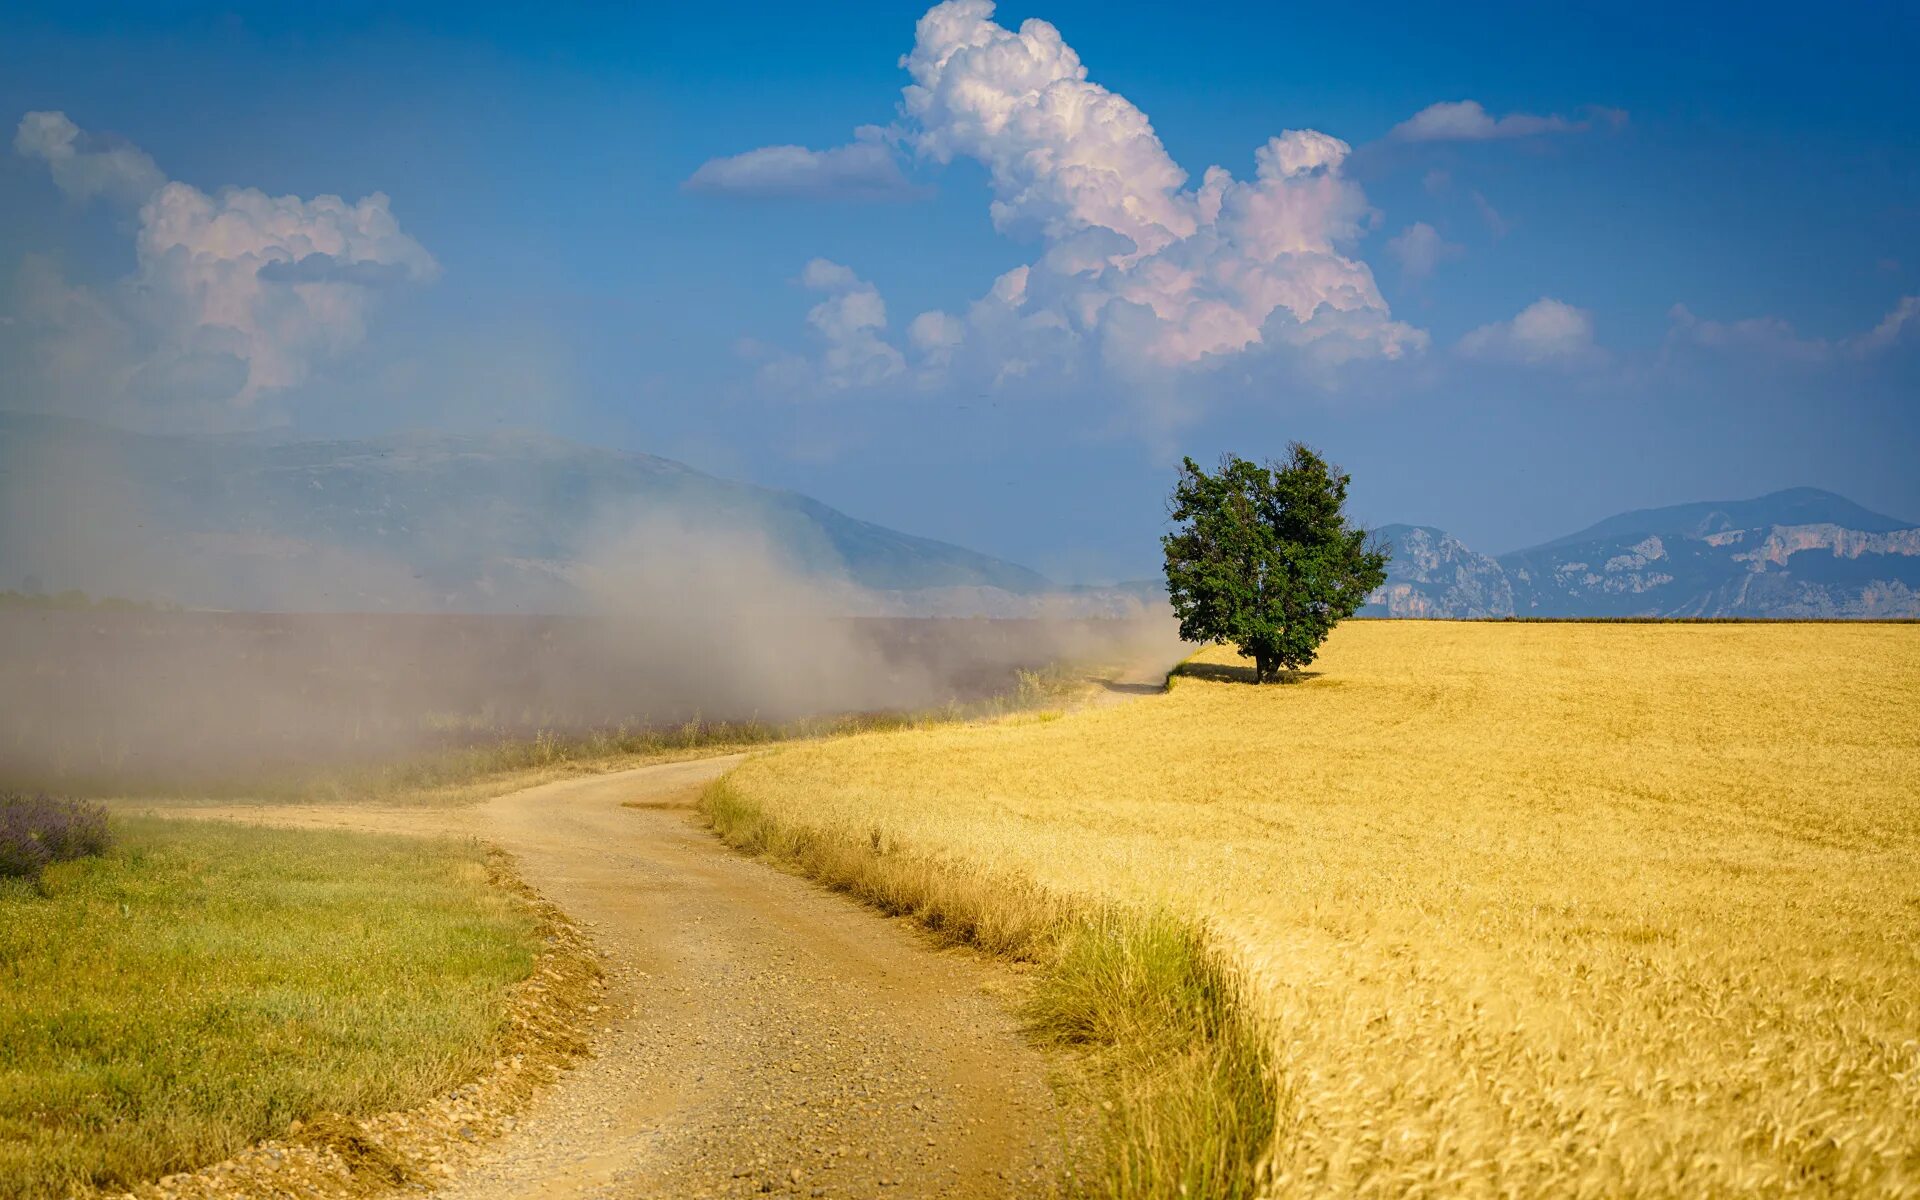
x,y
765,1036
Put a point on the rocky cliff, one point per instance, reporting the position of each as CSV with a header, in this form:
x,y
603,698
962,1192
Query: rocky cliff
x,y
1434,574
1798,553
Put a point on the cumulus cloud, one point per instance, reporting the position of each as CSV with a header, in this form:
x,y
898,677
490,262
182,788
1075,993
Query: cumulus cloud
x,y
865,169
1139,270
234,295
1469,121
850,322
1548,331
936,335
1421,249
1137,266
84,166
279,282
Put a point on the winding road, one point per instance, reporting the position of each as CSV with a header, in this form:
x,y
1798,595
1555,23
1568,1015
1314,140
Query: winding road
x,y
765,1036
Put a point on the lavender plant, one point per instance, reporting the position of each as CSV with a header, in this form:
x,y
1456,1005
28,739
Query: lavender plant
x,y
38,830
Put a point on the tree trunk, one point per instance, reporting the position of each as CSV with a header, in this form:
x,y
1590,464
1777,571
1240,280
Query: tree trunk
x,y
1263,671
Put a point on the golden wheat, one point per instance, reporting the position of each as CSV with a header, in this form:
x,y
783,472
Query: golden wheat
x,y
1583,910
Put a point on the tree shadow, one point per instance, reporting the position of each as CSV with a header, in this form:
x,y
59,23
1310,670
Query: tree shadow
x,y
1236,673
1132,689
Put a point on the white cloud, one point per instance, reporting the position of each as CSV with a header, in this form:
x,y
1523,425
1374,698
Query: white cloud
x,y
1548,331
865,169
824,276
850,322
936,335
1776,338
1065,154
1137,272
234,295
1769,336
1497,225
279,282
1899,324
1469,121
83,166
1420,249
1137,265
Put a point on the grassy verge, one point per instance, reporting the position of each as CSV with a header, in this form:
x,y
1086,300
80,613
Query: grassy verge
x,y
1177,1065
204,985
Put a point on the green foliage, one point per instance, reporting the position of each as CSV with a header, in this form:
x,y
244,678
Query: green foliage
x,y
1264,558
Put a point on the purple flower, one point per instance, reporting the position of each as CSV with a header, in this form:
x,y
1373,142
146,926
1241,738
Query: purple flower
x,y
37,830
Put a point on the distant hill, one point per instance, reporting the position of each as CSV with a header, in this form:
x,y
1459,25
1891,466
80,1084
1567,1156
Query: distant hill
x,y
517,522
1796,553
472,523
1794,506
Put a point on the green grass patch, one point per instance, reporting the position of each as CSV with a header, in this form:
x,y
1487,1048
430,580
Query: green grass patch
x,y
1175,1064
204,984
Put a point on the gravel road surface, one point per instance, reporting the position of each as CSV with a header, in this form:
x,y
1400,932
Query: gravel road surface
x,y
762,1035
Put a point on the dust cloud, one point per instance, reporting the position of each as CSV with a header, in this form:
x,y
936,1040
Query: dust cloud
x,y
675,617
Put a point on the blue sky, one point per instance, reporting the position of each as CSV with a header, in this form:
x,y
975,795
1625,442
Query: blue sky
x,y
1636,257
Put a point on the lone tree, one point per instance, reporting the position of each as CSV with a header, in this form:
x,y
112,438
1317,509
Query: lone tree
x,y
1264,558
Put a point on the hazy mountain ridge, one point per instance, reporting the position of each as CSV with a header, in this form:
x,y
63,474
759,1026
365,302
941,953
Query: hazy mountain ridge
x,y
1796,553
513,522
1707,518
531,523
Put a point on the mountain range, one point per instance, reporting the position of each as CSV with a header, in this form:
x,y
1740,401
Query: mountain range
x,y
1795,553
515,522
494,522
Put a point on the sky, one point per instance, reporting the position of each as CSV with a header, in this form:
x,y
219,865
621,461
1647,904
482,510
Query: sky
x,y
986,274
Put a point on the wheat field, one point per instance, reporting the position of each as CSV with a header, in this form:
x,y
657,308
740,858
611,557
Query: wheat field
x,y
1529,909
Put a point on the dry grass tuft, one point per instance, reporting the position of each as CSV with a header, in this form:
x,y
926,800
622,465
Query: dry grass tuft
x,y
1173,1058
1004,916
1180,1064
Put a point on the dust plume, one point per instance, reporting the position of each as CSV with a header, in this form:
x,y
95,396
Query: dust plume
x,y
262,664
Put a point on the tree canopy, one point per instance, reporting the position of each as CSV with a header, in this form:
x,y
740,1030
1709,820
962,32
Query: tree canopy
x,y
1264,558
